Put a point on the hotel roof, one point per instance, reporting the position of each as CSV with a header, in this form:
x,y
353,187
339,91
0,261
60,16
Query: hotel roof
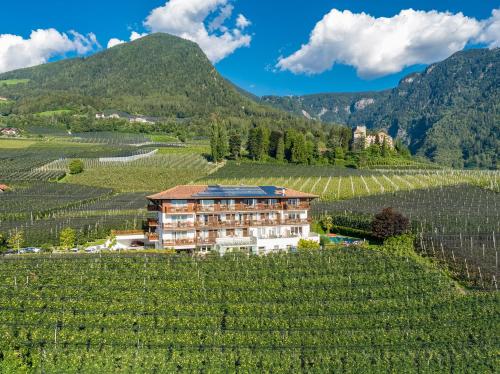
x,y
200,192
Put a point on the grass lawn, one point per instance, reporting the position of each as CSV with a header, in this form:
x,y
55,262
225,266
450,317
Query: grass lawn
x,y
10,82
163,138
16,143
200,149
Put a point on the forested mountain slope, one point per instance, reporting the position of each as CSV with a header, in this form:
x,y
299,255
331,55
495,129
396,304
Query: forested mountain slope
x,y
158,75
449,112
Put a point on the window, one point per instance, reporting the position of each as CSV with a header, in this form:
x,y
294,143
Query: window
x,y
207,202
250,202
179,235
179,203
293,202
296,231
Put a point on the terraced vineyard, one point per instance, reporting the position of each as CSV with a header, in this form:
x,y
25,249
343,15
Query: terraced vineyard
x,y
349,310
459,225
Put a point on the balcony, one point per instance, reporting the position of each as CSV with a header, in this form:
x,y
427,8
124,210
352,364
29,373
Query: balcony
x,y
206,241
296,221
179,242
179,209
179,225
237,207
299,206
252,223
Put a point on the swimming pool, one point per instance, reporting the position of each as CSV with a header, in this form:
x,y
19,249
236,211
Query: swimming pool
x,y
340,239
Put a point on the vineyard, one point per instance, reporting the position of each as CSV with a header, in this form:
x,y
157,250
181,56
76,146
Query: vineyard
x,y
156,173
348,310
458,224
334,183
109,194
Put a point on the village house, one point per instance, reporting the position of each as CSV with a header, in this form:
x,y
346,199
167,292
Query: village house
x,y
361,138
3,188
256,219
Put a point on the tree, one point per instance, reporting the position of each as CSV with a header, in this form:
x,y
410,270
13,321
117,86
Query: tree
x,y
280,149
67,238
218,140
235,145
112,241
299,149
339,153
3,243
327,223
75,166
16,239
253,143
305,244
384,148
389,223
258,142
274,140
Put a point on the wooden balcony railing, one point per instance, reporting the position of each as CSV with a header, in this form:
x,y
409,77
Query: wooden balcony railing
x,y
237,207
250,223
172,243
180,209
297,206
179,225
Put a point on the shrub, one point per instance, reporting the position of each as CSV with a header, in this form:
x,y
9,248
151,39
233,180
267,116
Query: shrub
x,y
389,223
67,238
402,245
75,166
308,244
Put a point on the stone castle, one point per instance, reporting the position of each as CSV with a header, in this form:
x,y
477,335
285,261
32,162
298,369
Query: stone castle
x,y
361,138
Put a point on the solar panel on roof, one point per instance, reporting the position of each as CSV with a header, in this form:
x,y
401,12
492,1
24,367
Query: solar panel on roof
x,y
240,191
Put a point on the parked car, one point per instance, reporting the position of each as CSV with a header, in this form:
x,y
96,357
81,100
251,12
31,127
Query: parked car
x,y
32,250
93,249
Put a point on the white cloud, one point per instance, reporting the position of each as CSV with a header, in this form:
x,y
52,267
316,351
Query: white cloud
x,y
114,42
242,22
490,33
381,46
187,18
133,36
17,52
218,22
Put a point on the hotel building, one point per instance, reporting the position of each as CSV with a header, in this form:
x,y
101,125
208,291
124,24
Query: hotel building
x,y
259,219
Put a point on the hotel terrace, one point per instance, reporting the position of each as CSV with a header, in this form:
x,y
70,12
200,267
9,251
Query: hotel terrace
x,y
259,219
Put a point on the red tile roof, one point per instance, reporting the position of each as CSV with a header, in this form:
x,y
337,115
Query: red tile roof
x,y
4,187
179,192
184,192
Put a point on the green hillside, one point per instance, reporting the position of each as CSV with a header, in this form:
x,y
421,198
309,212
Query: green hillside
x,y
158,75
449,112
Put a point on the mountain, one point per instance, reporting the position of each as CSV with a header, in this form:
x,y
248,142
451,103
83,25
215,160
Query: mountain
x,y
449,112
157,75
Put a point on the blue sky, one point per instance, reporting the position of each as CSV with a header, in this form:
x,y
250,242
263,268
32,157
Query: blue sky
x,y
278,28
